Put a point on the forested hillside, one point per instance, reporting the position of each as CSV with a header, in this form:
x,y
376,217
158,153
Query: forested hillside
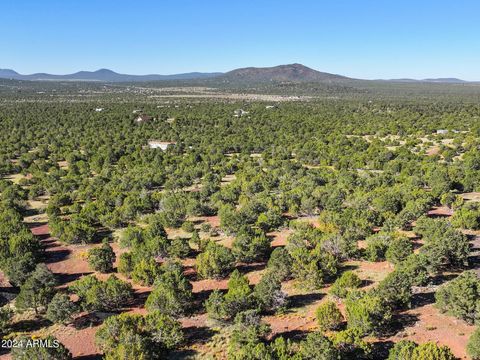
x,y
327,227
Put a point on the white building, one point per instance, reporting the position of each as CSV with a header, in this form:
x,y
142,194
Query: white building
x,y
162,145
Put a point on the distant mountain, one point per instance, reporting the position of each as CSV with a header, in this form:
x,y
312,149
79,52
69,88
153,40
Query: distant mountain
x,y
436,80
104,75
291,73
446,80
283,73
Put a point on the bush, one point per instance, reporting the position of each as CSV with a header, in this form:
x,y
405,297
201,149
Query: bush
x,y
460,297
398,250
251,246
473,346
280,263
238,296
61,309
351,344
54,349
179,248
268,292
132,336
402,350
377,246
5,317
318,347
328,316
215,262
37,291
366,313
96,295
172,293
216,307
145,271
346,282
102,258
432,351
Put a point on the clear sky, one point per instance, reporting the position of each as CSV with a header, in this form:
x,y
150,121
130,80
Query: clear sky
x,y
358,38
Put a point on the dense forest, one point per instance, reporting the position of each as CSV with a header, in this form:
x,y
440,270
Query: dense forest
x,y
255,213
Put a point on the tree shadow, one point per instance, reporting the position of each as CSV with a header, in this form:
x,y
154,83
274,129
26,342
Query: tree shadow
x,y
422,299
198,334
55,256
63,279
400,322
246,268
139,298
30,325
89,357
382,348
298,301
85,321
295,335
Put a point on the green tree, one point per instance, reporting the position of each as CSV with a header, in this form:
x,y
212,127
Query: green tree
x,y
102,258
37,291
473,346
346,282
432,351
172,293
31,349
61,309
328,316
460,297
402,350
317,347
215,262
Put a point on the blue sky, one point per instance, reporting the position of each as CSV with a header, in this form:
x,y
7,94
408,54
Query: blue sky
x,y
363,38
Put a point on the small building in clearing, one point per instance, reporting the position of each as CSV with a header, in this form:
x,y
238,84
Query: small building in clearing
x,y
240,113
143,118
162,145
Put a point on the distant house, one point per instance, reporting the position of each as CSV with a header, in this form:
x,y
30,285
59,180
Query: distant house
x,y
442,131
240,112
162,145
142,118
270,107
99,109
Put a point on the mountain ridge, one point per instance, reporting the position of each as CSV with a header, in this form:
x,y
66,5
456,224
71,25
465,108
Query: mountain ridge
x,y
291,73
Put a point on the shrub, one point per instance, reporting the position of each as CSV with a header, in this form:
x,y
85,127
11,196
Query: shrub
x,y
172,293
328,316
280,263
318,347
145,271
251,246
215,306
473,346
432,351
402,350
5,317
238,296
460,297
26,350
179,248
398,250
377,246
347,281
61,309
37,291
101,258
268,292
98,295
215,262
132,336
366,313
